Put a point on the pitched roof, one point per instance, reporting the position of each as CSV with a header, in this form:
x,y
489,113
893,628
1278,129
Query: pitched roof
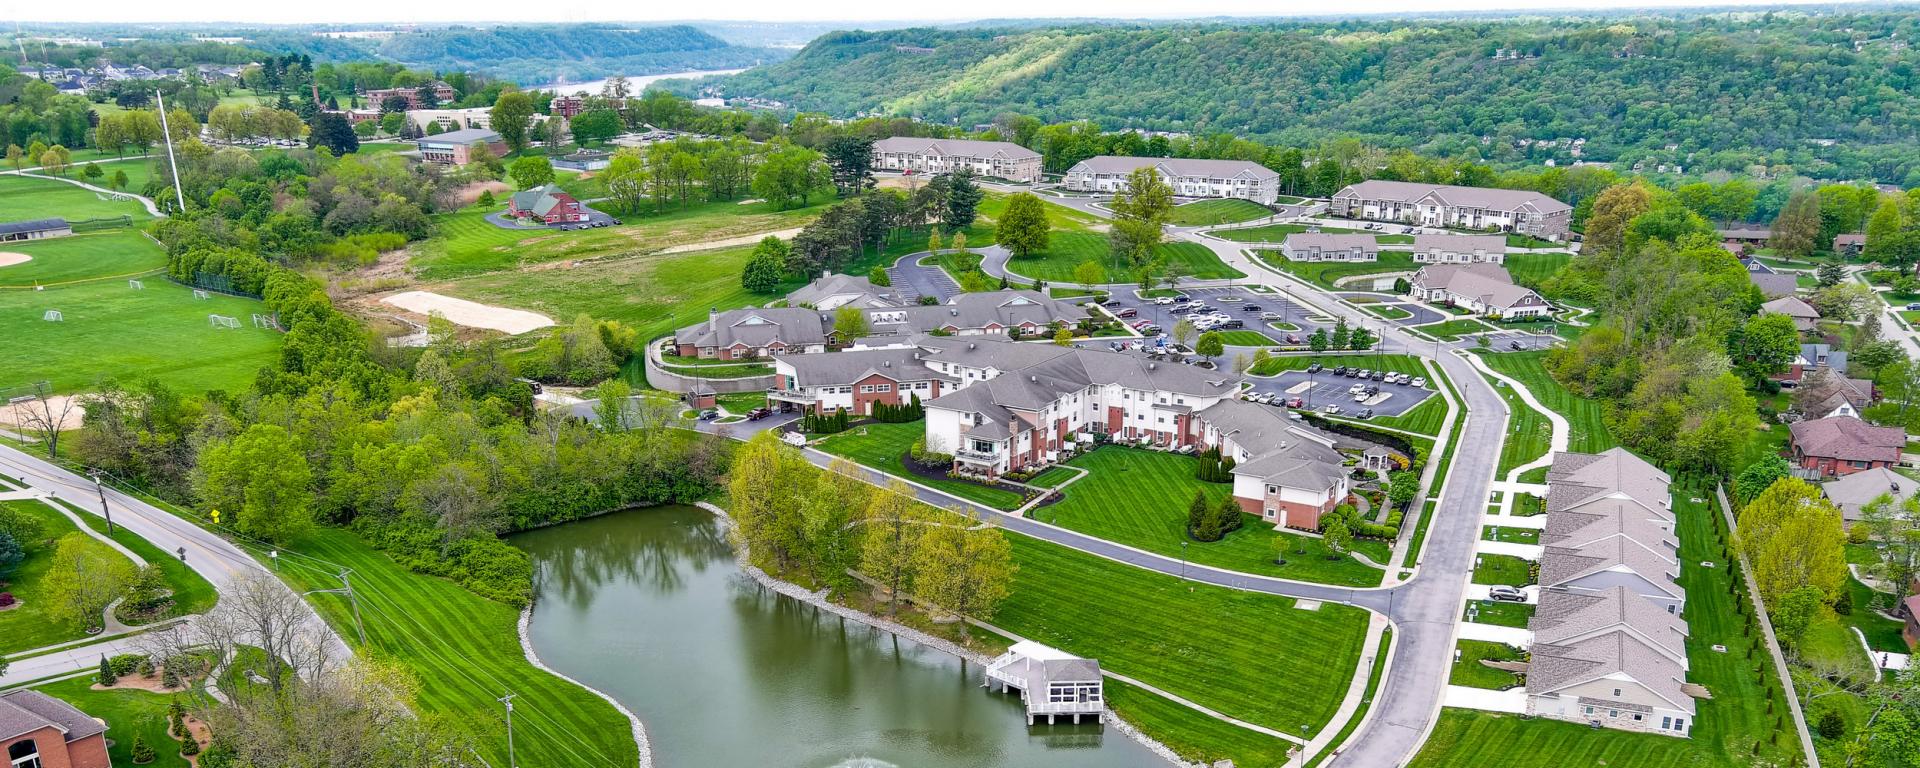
x,y
1774,285
863,291
1006,309
25,711
31,225
1852,493
1460,243
1474,197
757,327
1791,306
463,137
1560,565
1173,166
1848,439
1567,617
1606,518
959,147
1483,279
848,366
1822,354
1034,375
540,199
1554,667
1578,478
1332,241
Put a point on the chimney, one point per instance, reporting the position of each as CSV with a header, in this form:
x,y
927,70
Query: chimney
x,y
886,363
713,319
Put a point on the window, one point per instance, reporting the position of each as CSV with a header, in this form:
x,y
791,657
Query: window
x,y
1636,718
1589,710
883,388
1679,723
24,754
1666,723
1616,693
1613,713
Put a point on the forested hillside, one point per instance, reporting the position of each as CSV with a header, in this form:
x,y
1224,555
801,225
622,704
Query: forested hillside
x,y
1830,94
540,53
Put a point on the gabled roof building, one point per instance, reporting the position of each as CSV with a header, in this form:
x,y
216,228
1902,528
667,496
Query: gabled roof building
x,y
1323,246
1440,205
1189,177
995,159
1481,287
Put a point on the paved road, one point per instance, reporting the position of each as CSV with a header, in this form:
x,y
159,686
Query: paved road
x,y
914,280
214,558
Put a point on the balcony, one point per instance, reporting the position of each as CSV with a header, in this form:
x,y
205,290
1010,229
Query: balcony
x,y
792,396
970,456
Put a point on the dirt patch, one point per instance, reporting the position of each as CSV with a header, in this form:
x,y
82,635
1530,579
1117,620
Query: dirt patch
x,y
147,683
469,313
470,193
10,258
17,415
729,242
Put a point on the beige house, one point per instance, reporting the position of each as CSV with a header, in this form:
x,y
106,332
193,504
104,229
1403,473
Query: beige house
x,y
996,159
1441,205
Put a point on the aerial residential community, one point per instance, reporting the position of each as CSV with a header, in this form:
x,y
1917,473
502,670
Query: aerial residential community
x,y
1435,388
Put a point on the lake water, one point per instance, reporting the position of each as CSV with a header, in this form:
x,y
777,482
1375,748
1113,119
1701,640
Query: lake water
x,y
638,82
650,607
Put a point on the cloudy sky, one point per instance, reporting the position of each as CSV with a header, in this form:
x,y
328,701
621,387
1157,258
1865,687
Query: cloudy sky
x,y
364,11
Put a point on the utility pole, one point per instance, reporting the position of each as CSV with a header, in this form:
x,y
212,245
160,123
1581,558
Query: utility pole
x,y
508,700
167,133
104,510
354,600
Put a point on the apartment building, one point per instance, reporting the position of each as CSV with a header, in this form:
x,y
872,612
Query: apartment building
x,y
996,159
1189,177
1459,249
1440,205
1322,246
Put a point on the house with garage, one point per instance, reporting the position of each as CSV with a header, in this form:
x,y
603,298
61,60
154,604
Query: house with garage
x,y
853,380
1803,314
1610,523
1773,285
34,229
1459,249
547,203
995,159
1842,445
39,731
1612,660
1825,393
754,332
1482,287
1853,492
1442,205
1849,244
1189,177
1814,357
1325,246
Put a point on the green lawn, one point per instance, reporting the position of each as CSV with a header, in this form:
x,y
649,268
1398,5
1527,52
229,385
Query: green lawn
x,y
1140,498
1388,312
1277,233
108,254
1227,211
1190,734
112,330
1454,329
1465,738
1587,425
1510,535
1324,273
1499,613
1053,477
1883,634
1468,671
1529,433
127,712
29,626
1211,645
1244,339
1067,249
883,446
191,592
1532,269
29,198
463,651
1502,569
138,170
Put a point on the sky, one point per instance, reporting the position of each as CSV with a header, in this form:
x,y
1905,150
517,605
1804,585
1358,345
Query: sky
x,y
852,11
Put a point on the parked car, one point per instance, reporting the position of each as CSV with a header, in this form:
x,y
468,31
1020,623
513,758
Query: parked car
x,y
709,415
1360,397
1139,324
1379,375
1149,329
759,413
1163,300
1250,308
1507,594
1360,374
1331,409
1366,413
1293,339
1294,402
1110,303
1182,297
1313,368
1420,382
1340,371
1231,324
1514,345
1128,312
1269,315
1913,306
1356,389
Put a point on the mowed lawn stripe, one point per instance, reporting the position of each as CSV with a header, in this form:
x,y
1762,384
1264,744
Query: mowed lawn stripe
x,y
107,254
1588,432
883,446
25,197
1252,656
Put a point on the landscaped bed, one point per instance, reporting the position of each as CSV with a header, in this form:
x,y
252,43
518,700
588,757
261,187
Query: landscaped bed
x,y
1468,671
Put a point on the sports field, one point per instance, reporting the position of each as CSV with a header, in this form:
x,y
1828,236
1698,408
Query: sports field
x,y
112,253
29,198
112,331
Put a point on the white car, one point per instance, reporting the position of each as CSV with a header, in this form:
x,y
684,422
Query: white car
x,y
1356,389
1269,315
1331,408
1164,300
1422,383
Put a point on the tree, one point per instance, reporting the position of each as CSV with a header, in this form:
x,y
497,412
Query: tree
x,y
627,180
262,475
1210,345
1796,231
965,571
1831,726
1830,273
16,156
1183,332
1063,337
1877,355
1758,477
1896,526
331,130
1361,338
788,174
1794,613
1140,211
531,171
92,172
850,323
142,752
1342,335
1089,273
82,578
45,415
1023,227
1791,535
510,117
595,125
1606,226
1318,341
766,267
119,180
894,524
1883,226
1337,535
851,158
1765,345
11,553
935,242
105,678
963,201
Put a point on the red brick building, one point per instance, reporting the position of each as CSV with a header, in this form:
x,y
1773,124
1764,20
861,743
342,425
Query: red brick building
x,y
548,204
377,98
1843,445
39,731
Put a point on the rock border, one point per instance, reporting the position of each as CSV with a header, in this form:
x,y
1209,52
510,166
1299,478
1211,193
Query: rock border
x,y
639,728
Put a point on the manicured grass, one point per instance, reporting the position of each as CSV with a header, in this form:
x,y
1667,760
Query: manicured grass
x,y
1211,645
111,330
1502,569
1587,425
30,625
883,446
1510,535
138,170
1277,233
107,254
1052,477
1498,613
741,402
1388,312
1883,634
1066,250
191,591
128,712
1532,269
463,652
736,371
1190,734
1325,273
466,244
1454,329
1465,738
1244,339
1468,671
1529,241
1227,211
1374,679
1140,498
1529,433
29,198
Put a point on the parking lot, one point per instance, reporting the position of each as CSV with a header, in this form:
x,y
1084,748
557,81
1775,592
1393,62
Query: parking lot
x,y
1230,301
1325,388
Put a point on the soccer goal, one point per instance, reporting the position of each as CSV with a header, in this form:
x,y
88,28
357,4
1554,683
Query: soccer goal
x,y
266,321
223,321
200,294
53,316
136,285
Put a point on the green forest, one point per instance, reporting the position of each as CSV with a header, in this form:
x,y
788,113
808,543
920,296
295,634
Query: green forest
x,y
1829,95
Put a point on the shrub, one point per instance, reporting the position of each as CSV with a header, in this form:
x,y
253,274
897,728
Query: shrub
x,y
126,663
216,754
1212,468
1832,726
105,677
142,752
919,454
11,553
899,414
827,424
6,599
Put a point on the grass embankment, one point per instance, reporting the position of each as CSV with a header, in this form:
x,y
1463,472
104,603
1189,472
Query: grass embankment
x,y
191,591
464,652
1140,498
31,624
1532,269
1079,237
884,447
29,198
1529,433
1586,419
1243,338
1226,211
1325,273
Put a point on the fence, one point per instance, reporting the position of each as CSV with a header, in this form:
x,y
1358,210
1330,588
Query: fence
x,y
96,225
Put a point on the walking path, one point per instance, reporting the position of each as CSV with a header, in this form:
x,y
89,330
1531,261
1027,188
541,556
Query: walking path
x,y
1561,428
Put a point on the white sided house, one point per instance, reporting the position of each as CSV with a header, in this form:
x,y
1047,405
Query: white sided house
x,y
1323,246
1012,312
1051,682
1459,249
1483,288
997,159
1440,205
1189,177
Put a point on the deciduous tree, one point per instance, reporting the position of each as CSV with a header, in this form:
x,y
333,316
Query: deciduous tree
x,y
261,479
766,267
1023,227
1791,535
510,116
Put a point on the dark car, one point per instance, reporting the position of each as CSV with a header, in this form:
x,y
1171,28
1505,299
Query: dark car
x,y
1313,368
1232,324
1181,297
1379,376
709,415
1110,303
759,413
1250,308
617,221
1514,345
1366,413
1128,312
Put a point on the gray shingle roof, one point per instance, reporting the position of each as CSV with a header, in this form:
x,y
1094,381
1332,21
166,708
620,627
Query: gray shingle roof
x,y
1554,667
1773,285
1174,166
957,147
1492,244
1560,565
846,367
1474,197
757,327
463,137
1609,517
976,311
25,711
539,199
1791,306
1852,493
1567,617
828,286
1481,279
1332,241
1577,478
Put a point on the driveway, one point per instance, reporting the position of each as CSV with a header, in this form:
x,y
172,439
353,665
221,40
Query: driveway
x,y
912,280
594,218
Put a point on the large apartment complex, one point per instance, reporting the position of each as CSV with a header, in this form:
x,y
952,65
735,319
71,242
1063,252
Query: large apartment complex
x,y
808,325
998,159
1440,205
1189,177
1609,637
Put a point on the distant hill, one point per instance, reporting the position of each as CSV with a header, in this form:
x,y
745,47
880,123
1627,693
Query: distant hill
x,y
1829,93
537,53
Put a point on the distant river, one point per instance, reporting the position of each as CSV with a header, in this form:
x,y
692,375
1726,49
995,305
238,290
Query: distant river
x,y
638,82
650,607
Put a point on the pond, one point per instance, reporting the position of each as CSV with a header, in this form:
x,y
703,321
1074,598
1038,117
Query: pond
x,y
650,607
